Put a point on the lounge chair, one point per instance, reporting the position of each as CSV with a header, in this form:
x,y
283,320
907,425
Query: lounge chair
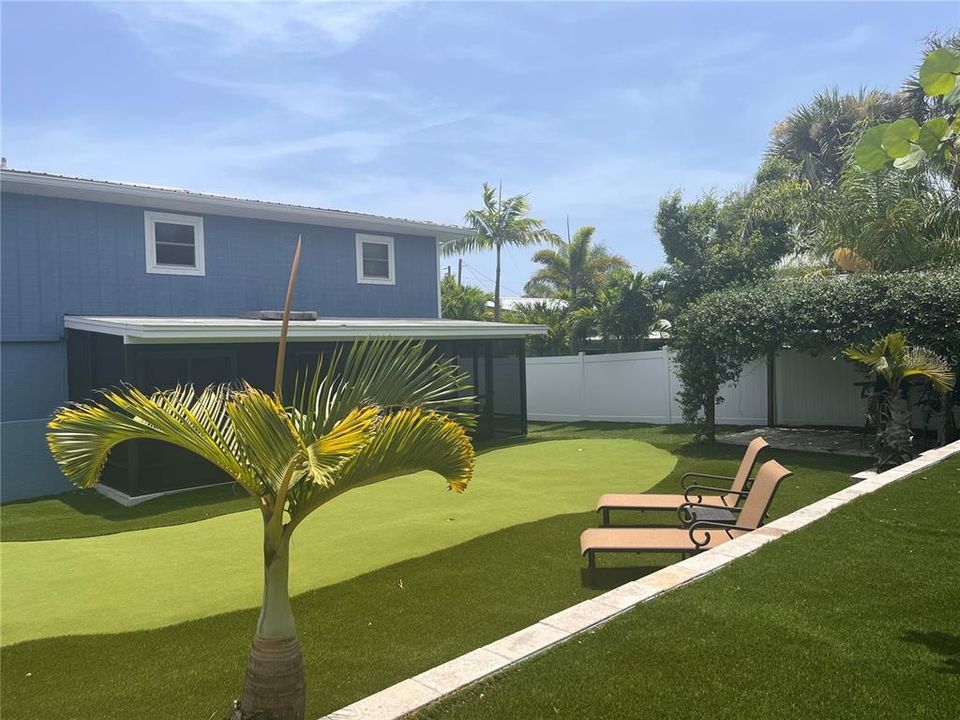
x,y
727,498
700,535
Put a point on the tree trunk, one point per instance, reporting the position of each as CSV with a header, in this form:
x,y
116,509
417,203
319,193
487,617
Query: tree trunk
x,y
496,290
710,418
275,685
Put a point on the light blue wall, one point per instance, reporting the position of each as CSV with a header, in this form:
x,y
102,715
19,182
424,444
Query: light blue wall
x,y
76,257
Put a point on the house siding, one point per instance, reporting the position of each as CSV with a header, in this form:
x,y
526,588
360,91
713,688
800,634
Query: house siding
x,y
61,256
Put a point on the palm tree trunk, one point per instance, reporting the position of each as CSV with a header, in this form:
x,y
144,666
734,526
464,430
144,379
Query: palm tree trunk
x,y
275,685
896,435
496,289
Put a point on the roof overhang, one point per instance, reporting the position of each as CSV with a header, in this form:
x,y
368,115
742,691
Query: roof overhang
x,y
170,330
33,183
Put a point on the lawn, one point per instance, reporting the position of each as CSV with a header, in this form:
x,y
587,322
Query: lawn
x,y
854,616
389,585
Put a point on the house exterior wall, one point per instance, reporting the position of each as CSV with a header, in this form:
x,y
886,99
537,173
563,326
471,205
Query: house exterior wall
x,y
62,256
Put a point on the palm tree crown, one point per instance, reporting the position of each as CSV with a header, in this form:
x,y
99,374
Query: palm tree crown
x,y
576,270
815,137
895,362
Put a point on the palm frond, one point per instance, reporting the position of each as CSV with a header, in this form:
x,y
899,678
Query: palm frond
x,y
387,373
923,363
82,435
268,440
406,441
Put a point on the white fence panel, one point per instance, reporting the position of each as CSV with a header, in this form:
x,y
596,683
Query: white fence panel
x,y
746,402
642,387
818,390
629,387
555,388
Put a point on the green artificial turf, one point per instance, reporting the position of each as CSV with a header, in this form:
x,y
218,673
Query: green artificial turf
x,y
854,616
370,631
165,575
87,513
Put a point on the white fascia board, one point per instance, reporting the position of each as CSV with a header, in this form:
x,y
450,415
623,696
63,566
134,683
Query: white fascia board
x,y
197,330
189,202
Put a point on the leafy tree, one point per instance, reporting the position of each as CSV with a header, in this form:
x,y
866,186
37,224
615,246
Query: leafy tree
x,y
715,242
537,290
919,104
895,365
500,222
381,410
463,302
933,132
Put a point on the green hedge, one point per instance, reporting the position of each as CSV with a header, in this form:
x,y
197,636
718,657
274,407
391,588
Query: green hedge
x,y
716,336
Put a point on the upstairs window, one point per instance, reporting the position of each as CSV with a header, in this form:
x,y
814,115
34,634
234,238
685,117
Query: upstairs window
x,y
174,243
375,259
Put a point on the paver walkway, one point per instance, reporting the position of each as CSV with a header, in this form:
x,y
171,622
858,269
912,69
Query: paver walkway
x,y
839,442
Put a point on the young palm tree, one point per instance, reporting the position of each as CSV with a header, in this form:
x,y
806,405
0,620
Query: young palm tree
x,y
894,365
462,302
381,410
501,221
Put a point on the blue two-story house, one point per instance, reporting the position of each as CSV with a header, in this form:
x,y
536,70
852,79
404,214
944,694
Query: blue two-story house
x,y
105,282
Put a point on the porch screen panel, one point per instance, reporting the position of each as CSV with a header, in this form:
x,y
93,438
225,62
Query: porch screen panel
x,y
508,401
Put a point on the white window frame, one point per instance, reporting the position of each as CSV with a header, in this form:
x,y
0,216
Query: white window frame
x,y
150,218
382,240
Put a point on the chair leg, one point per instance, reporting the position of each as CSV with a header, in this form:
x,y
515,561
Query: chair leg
x,y
606,517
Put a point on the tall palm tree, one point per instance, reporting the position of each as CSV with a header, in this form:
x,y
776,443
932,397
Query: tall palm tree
x,y
500,222
577,269
894,366
378,411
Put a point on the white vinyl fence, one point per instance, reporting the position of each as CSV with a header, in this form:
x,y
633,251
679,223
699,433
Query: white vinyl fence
x,y
642,387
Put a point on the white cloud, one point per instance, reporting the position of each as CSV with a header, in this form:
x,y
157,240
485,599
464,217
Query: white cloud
x,y
233,28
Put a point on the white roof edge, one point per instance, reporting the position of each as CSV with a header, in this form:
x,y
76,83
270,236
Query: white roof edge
x,y
138,330
22,181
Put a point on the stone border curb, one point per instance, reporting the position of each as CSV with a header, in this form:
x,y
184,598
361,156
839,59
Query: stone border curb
x,y
415,693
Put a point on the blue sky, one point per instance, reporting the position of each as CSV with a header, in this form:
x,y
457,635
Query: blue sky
x,y
404,109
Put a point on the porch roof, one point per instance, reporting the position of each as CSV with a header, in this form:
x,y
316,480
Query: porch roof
x,y
160,330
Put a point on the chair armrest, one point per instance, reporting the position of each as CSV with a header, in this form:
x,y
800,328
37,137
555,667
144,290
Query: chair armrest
x,y
699,494
687,512
683,478
705,525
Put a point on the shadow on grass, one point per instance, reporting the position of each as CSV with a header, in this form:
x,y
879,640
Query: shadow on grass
x,y
84,513
944,644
